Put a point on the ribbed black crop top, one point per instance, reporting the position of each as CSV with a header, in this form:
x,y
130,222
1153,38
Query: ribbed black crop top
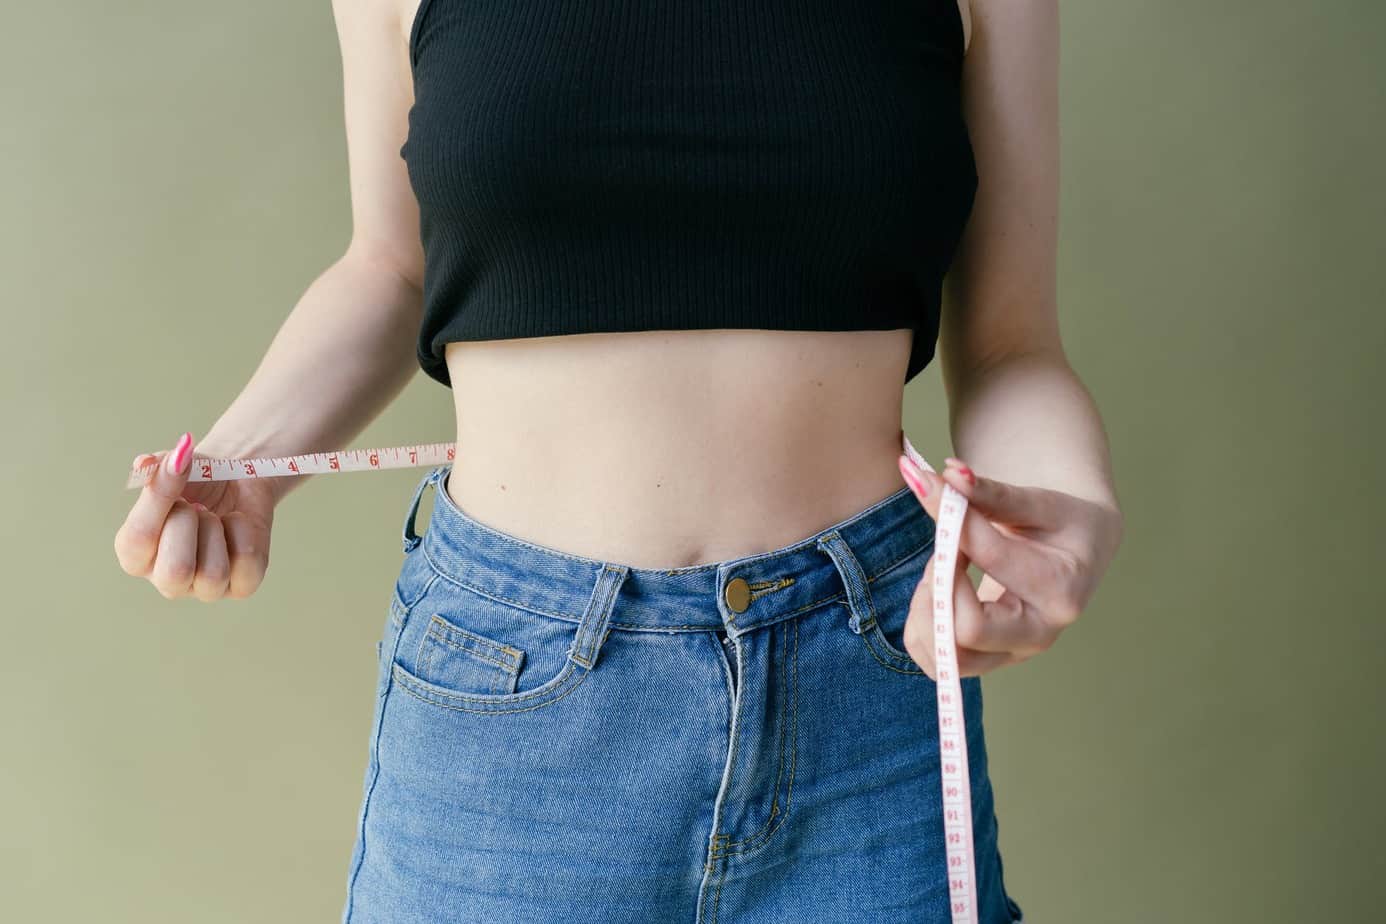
x,y
619,165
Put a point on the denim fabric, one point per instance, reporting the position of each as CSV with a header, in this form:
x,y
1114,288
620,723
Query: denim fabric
x,y
558,738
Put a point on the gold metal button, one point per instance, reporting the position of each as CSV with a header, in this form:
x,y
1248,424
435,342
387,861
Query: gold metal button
x,y
737,595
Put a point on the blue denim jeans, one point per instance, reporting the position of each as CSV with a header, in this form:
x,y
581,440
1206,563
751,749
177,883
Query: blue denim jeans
x,y
558,738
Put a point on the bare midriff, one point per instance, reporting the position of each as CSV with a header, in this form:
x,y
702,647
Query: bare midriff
x,y
663,449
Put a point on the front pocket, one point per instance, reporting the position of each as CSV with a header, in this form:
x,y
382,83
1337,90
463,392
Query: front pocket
x,y
474,651
550,691
891,594
887,654
462,660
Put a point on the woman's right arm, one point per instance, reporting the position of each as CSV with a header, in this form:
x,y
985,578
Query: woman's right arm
x,y
342,355
346,350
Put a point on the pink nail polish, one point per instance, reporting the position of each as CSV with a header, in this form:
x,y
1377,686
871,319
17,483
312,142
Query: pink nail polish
x,y
182,452
916,483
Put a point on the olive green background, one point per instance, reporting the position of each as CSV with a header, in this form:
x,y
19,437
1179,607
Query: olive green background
x,y
1205,745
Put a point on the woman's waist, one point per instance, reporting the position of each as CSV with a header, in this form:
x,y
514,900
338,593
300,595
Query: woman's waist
x,y
666,496
671,448
644,515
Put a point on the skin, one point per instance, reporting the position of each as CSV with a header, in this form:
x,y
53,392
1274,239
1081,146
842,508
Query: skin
x,y
660,449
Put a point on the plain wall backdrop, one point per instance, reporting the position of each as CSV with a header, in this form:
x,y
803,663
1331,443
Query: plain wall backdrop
x,y
1205,745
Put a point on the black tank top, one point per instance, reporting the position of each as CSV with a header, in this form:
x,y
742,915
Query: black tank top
x,y
620,165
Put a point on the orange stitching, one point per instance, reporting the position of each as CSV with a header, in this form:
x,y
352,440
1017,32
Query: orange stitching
x,y
746,845
445,628
552,692
779,768
871,644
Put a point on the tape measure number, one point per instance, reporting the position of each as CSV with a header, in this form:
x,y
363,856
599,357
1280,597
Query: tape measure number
x,y
313,463
952,730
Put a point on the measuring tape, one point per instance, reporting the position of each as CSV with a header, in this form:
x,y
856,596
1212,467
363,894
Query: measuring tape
x,y
952,732
314,463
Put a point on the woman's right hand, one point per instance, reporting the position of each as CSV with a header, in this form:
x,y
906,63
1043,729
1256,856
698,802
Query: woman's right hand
x,y
208,539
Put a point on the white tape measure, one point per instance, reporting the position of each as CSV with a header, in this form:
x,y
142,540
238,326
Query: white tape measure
x,y
309,463
952,732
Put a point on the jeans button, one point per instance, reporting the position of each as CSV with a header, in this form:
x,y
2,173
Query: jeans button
x,y
737,594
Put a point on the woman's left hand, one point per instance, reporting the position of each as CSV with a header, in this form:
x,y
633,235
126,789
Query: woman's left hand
x,y
1042,553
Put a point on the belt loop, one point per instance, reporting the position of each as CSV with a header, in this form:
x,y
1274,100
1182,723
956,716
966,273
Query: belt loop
x,y
411,539
592,631
862,609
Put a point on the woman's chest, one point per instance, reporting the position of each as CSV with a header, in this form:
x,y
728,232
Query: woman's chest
x,y
686,109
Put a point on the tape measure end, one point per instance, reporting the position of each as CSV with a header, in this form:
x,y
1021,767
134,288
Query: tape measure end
x,y
139,477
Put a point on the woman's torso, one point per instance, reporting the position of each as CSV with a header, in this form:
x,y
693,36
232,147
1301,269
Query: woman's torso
x,y
671,448
661,449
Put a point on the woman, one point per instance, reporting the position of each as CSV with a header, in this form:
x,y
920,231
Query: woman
x,y
661,651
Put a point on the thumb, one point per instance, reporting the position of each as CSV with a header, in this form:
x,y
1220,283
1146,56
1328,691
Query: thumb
x,y
926,485
1012,504
171,476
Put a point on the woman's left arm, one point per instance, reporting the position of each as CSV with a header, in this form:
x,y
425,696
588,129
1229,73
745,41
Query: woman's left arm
x,y
1043,521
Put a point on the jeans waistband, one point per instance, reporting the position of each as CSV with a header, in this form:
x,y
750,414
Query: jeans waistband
x,y
737,594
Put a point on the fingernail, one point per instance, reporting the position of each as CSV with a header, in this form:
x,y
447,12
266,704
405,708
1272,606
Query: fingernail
x,y
198,505
913,477
182,452
962,469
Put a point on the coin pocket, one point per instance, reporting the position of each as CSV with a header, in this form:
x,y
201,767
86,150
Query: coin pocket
x,y
465,661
